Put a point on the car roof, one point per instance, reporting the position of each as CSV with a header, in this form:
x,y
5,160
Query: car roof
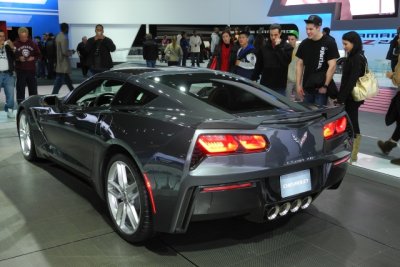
x,y
135,69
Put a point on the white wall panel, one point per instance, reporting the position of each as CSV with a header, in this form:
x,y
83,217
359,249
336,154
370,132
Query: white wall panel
x,y
122,18
146,11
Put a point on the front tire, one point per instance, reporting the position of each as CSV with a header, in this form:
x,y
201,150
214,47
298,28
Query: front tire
x,y
25,137
127,200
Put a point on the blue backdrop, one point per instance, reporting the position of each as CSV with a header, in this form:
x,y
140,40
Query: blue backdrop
x,y
41,15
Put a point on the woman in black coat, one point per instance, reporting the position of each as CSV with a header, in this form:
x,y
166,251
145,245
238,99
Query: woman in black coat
x,y
354,67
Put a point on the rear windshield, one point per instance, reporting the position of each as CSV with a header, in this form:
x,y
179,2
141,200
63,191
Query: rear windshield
x,y
225,92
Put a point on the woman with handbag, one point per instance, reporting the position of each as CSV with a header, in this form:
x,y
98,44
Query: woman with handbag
x,y
224,54
394,111
353,68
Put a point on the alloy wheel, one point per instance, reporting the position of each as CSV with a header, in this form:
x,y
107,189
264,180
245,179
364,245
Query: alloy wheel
x,y
123,197
24,135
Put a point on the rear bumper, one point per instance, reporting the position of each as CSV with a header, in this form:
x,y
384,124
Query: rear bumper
x,y
253,201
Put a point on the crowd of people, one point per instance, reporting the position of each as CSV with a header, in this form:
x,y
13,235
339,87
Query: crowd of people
x,y
302,71
50,57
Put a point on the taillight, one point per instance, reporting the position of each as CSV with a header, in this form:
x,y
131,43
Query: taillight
x,y
218,143
222,144
335,127
329,130
230,143
341,125
252,142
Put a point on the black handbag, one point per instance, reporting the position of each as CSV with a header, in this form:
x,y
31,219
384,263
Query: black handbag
x,y
316,80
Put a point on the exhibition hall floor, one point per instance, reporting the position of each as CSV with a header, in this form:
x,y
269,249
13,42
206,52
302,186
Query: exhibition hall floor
x,y
50,217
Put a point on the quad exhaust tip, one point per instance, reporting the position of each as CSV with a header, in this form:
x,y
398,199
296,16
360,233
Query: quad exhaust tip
x,y
305,203
273,212
282,210
295,205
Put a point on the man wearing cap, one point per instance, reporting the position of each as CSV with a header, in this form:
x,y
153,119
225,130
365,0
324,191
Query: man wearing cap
x,y
316,64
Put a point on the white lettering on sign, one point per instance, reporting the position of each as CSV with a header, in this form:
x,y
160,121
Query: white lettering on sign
x,y
296,183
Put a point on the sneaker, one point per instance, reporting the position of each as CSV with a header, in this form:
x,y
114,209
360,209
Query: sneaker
x,y
10,114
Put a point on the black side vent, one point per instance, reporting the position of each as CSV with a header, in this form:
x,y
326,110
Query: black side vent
x,y
197,156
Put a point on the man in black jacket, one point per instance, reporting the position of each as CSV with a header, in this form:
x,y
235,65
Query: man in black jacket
x,y
150,51
99,48
273,61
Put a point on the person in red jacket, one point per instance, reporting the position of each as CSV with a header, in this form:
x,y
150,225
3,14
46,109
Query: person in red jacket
x,y
26,54
224,53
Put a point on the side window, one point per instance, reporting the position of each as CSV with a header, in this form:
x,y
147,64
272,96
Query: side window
x,y
99,94
131,94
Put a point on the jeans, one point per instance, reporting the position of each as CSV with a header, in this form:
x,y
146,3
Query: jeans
x,y
25,78
317,99
151,63
60,79
7,81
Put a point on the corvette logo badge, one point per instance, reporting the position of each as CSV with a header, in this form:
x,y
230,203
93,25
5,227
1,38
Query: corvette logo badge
x,y
300,141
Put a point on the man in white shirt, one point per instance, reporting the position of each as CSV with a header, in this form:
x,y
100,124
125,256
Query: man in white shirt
x,y
195,42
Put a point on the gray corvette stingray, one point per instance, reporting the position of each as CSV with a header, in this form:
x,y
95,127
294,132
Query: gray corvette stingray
x,y
165,147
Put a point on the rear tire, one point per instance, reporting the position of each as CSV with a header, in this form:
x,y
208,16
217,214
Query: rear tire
x,y
127,200
26,138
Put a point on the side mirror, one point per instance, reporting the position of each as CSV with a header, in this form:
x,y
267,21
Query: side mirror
x,y
52,101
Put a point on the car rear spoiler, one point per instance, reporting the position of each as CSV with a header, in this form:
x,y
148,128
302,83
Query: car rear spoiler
x,y
248,123
327,112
